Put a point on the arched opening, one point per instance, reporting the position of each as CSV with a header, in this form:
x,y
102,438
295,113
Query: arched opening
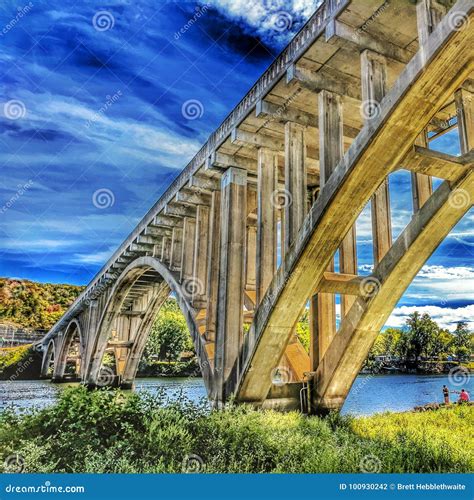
x,y
129,317
47,366
169,349
68,364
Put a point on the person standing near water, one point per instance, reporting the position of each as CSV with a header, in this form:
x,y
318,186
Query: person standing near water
x,y
446,395
463,396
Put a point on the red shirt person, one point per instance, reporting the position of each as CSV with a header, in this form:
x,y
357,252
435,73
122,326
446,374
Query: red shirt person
x,y
464,396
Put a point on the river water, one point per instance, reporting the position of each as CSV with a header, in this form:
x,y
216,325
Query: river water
x,y
369,394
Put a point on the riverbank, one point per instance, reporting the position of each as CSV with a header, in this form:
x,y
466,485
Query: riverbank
x,y
109,431
19,363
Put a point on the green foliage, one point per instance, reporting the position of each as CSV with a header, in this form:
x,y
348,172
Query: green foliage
x,y
169,336
302,330
34,305
422,331
463,342
422,338
170,369
13,356
112,431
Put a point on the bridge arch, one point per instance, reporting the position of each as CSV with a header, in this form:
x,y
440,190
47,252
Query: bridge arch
x,y
162,281
49,358
73,331
426,231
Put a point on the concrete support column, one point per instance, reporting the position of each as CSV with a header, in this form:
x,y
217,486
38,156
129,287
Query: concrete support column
x,y
465,115
213,261
187,249
251,242
165,249
251,257
331,139
295,180
422,185
231,276
331,150
266,220
374,88
282,234
201,246
348,265
176,249
331,145
428,14
314,354
90,334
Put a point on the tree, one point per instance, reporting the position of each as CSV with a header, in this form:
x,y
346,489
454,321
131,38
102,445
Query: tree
x,y
462,341
169,336
422,332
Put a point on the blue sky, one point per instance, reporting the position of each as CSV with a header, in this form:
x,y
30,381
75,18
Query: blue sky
x,y
102,104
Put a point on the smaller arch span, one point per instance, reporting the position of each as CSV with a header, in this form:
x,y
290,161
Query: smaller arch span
x,y
73,330
49,357
166,281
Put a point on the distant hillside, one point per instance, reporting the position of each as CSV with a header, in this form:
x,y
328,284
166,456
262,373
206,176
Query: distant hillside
x,y
34,305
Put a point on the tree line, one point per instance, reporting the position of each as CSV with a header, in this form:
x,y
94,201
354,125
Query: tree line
x,y
38,306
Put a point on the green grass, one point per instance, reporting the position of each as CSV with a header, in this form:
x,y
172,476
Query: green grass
x,y
109,431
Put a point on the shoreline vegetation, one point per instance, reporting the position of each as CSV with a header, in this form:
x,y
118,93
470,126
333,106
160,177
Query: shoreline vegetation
x,y
111,431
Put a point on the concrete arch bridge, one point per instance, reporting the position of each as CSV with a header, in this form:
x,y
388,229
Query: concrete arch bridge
x,y
247,234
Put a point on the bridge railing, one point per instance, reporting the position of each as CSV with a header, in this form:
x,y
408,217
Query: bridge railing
x,y
11,336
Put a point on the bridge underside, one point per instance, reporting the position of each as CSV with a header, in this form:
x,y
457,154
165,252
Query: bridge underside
x,y
246,237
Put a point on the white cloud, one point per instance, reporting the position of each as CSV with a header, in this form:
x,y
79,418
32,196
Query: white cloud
x,y
94,258
446,317
272,20
441,272
443,283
